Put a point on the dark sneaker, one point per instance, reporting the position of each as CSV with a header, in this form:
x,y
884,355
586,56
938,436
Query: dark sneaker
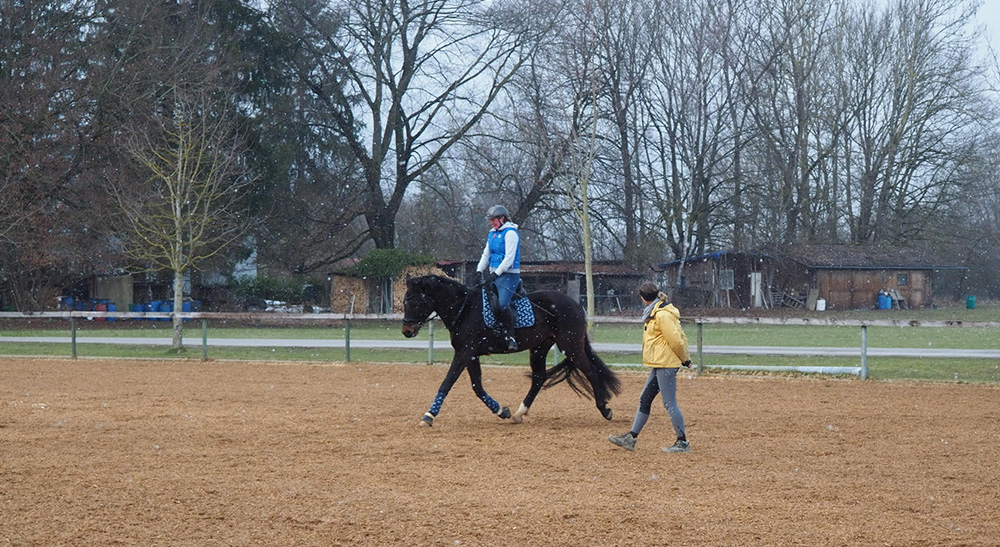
x,y
679,446
625,440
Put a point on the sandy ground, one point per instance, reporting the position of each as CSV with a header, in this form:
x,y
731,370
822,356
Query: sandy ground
x,y
222,453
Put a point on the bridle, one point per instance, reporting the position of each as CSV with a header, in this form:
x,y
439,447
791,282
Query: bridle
x,y
419,323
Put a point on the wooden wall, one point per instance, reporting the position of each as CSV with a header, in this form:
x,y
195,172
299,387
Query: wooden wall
x,y
858,289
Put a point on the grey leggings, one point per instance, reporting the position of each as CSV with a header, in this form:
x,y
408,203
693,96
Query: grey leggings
x,y
664,382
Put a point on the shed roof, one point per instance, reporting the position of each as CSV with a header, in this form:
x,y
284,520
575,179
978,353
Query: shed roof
x,y
860,257
864,257
711,256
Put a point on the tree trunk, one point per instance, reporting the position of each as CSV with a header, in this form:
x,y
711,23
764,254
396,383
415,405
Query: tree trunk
x,y
178,337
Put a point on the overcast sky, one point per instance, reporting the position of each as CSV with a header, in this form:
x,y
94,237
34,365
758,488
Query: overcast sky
x,y
989,15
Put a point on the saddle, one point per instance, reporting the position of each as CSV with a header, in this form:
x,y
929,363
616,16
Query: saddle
x,y
524,314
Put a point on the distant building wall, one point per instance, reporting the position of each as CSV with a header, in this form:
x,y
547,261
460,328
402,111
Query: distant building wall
x,y
117,289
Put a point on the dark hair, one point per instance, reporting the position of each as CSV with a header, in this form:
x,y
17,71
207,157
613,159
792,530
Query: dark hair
x,y
649,291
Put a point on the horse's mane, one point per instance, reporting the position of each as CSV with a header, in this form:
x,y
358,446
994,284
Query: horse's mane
x,y
444,279
444,282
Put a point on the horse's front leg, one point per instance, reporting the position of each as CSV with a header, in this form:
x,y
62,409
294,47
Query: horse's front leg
x,y
457,365
538,354
476,375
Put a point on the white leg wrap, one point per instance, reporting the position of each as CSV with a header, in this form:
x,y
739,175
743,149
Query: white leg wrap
x,y
518,416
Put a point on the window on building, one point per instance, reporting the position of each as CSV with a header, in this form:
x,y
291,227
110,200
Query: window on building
x,y
727,281
902,280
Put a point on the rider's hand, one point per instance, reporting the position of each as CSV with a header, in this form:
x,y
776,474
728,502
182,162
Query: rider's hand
x,y
490,277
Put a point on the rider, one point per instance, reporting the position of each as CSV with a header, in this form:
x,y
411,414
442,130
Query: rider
x,y
502,256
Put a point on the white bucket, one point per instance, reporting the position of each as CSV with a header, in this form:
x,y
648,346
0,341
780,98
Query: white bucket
x,y
821,304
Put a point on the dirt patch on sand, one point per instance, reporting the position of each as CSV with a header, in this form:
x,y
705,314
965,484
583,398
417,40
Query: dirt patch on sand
x,y
188,453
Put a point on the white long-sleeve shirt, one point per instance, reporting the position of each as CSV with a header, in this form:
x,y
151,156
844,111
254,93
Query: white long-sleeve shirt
x,y
511,241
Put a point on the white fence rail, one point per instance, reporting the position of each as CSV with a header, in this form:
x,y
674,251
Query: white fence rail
x,y
700,349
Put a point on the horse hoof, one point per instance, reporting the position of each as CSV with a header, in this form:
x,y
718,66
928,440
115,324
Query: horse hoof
x,y
504,413
426,421
606,412
518,416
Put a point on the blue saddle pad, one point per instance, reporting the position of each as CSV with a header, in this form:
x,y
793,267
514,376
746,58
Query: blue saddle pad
x,y
524,315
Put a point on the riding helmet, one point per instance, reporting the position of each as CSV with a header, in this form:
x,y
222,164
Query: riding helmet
x,y
497,211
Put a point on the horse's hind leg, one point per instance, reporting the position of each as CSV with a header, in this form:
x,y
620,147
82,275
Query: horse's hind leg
x,y
476,375
538,355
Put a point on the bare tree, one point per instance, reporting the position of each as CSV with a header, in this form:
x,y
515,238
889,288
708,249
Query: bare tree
x,y
413,79
785,103
913,104
188,206
518,157
623,34
694,136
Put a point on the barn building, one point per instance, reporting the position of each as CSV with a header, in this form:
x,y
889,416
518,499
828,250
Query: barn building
x,y
807,276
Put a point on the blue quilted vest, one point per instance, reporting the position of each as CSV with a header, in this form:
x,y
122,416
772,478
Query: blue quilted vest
x,y
498,248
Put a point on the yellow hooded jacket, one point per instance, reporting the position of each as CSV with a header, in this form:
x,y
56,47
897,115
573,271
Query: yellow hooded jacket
x,y
664,344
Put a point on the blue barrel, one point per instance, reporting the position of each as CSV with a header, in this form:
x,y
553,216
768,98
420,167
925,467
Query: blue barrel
x,y
112,307
186,307
884,302
166,307
970,302
154,306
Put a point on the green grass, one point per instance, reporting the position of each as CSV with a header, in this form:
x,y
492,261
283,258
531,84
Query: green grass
x,y
881,368
713,334
818,336
976,371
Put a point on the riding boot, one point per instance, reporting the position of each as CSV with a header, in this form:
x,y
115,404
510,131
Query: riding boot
x,y
506,317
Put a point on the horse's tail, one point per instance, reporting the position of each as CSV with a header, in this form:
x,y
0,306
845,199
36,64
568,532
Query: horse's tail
x,y
605,381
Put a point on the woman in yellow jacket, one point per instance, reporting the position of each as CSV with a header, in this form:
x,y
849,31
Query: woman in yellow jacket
x,y
664,350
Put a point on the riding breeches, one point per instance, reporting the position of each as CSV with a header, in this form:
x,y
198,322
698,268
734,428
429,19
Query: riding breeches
x,y
664,382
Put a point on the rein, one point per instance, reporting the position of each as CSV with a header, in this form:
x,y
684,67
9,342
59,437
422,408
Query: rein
x,y
420,323
465,301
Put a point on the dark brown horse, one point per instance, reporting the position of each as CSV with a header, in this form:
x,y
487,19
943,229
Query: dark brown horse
x,y
559,320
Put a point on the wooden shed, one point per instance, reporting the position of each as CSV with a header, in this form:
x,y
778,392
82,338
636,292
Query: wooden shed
x,y
851,276
721,279
841,276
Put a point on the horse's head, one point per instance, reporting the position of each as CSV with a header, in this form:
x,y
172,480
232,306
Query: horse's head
x,y
417,305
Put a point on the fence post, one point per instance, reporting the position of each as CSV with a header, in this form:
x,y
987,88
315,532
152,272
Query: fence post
x,y
864,352
701,366
204,339
72,328
347,341
430,345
